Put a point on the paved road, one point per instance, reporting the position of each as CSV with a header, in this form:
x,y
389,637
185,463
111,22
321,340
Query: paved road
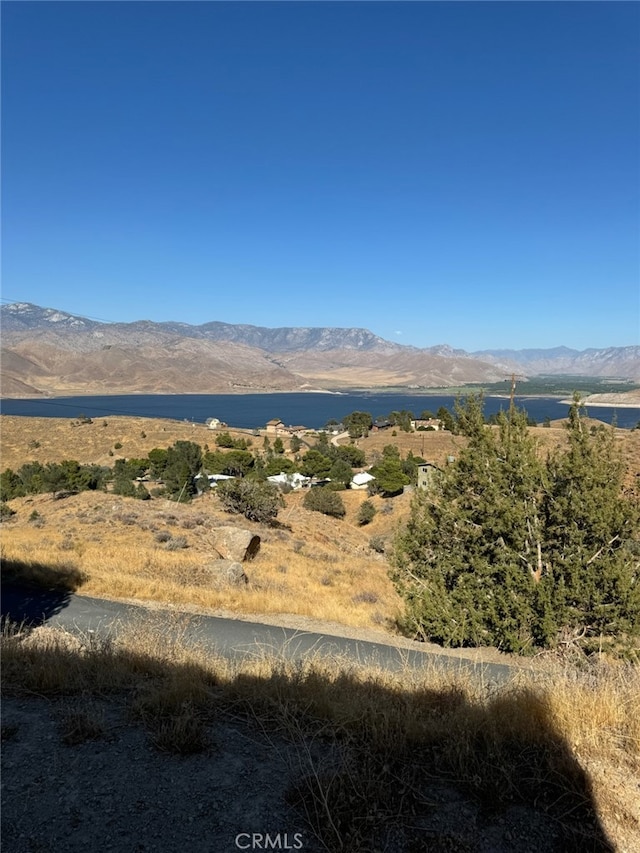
x,y
232,637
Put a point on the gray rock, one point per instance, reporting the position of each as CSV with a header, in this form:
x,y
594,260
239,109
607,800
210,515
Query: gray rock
x,y
226,573
235,543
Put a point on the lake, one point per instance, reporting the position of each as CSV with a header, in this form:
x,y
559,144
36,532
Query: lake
x,y
312,410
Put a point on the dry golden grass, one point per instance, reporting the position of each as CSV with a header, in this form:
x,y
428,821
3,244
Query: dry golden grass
x,y
55,439
313,566
561,741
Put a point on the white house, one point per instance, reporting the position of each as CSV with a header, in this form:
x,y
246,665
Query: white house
x,y
214,479
294,480
361,481
214,423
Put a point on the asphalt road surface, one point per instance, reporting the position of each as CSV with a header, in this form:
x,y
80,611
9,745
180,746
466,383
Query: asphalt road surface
x,y
231,637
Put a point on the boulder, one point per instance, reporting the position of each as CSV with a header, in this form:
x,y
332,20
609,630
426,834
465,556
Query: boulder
x,y
226,573
235,543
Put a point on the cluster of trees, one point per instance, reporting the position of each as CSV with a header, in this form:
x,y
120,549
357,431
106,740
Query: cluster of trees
x,y
359,424
34,478
179,466
519,551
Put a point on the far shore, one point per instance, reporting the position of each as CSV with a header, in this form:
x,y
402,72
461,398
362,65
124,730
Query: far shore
x,y
595,404
605,400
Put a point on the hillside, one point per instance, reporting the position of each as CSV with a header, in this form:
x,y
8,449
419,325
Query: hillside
x,y
574,732
50,352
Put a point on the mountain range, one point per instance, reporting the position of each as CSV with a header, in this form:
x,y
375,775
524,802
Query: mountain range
x,y
47,351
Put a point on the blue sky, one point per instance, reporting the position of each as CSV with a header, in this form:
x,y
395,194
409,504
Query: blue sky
x,y
461,173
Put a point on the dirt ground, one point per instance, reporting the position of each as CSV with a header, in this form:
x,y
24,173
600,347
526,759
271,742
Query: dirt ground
x,y
118,793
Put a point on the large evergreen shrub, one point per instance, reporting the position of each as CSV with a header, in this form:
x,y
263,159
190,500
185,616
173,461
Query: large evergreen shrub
x,y
257,501
519,552
325,501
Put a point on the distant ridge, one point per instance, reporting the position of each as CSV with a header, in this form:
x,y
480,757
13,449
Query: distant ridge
x,y
23,316
48,351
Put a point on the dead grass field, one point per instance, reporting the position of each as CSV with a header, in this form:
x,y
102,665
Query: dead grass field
x,y
55,439
311,566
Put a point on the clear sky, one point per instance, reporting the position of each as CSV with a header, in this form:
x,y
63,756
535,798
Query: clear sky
x,y
437,172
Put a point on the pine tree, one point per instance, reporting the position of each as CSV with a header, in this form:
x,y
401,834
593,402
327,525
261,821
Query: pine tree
x,y
513,551
591,529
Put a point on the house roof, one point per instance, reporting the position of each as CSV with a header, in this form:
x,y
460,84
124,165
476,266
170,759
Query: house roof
x,y
361,479
293,479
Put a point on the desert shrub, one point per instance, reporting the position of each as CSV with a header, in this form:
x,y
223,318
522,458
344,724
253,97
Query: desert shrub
x,y
377,544
162,536
224,439
124,488
177,543
255,500
79,725
142,493
366,513
325,501
365,597
5,511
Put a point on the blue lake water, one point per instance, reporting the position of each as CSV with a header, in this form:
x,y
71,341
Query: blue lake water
x,y
252,411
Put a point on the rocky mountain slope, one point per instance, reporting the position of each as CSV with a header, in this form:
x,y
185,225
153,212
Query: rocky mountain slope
x,y
46,351
618,362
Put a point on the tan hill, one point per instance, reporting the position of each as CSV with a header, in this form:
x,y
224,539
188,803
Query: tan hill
x,y
168,365
163,364
51,352
624,398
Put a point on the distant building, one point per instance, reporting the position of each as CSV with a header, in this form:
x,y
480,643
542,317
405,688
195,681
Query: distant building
x,y
427,475
381,423
293,480
213,479
361,481
426,424
214,423
275,427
